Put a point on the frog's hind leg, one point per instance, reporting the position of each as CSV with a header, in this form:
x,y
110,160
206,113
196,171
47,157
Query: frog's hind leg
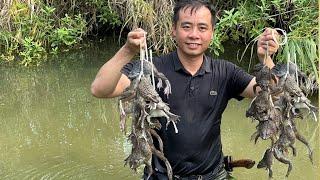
x,y
280,157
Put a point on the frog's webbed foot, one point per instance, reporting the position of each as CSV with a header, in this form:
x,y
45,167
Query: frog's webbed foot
x,y
167,89
172,118
161,77
159,84
312,109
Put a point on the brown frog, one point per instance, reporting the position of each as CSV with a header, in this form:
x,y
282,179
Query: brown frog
x,y
286,139
294,97
141,152
260,107
281,71
300,103
144,106
161,109
148,69
136,107
268,129
141,93
264,77
281,156
267,161
288,84
287,136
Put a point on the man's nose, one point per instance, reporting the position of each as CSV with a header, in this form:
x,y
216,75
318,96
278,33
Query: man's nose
x,y
194,33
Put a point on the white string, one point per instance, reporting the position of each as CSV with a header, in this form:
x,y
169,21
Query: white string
x,y
266,54
288,63
152,73
142,55
146,47
141,62
284,34
296,72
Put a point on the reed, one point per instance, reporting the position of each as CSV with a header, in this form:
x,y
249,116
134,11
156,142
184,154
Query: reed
x,y
153,16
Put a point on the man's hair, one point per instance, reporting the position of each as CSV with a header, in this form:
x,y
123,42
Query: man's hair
x,y
194,5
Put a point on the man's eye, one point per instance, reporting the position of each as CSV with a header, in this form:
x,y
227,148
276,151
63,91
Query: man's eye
x,y
203,28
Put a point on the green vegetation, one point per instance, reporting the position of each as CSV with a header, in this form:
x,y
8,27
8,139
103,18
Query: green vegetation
x,y
30,30
153,16
247,19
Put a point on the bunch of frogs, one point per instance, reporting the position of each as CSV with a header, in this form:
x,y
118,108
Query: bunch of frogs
x,y
276,106
144,104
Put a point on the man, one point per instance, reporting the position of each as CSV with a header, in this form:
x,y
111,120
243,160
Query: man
x,y
201,89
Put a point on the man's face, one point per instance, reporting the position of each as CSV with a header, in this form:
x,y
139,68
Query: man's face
x,y
193,32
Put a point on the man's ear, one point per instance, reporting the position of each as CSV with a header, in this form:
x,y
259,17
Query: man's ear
x,y
173,31
212,36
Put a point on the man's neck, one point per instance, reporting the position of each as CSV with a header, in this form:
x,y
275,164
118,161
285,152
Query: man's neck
x,y
191,63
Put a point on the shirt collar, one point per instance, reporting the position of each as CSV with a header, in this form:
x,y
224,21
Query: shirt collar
x,y
205,67
176,62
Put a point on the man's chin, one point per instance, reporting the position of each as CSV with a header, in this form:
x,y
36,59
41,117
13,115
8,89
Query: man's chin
x,y
194,53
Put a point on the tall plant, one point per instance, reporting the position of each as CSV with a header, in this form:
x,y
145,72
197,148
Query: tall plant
x,y
153,16
245,21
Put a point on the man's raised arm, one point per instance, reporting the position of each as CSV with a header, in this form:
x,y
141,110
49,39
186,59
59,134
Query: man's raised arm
x,y
265,45
110,82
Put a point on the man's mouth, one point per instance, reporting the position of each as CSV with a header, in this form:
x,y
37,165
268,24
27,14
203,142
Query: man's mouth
x,y
193,45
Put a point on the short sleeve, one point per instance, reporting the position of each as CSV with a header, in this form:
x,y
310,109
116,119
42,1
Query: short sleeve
x,y
238,81
127,68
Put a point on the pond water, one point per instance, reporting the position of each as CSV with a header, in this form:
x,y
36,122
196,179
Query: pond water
x,y
52,127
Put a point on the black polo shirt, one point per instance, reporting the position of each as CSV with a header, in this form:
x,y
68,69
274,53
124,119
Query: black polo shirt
x,y
200,101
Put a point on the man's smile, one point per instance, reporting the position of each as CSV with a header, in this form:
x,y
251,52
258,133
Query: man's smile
x,y
193,45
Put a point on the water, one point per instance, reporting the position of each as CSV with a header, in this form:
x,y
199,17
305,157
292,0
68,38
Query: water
x,y
52,128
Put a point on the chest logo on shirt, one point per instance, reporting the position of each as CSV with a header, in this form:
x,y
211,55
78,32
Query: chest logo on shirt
x,y
213,93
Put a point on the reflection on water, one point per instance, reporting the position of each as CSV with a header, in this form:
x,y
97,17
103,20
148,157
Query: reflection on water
x,y
52,128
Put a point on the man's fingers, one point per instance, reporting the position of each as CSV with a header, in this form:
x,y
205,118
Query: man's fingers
x,y
135,35
268,42
270,34
136,40
263,50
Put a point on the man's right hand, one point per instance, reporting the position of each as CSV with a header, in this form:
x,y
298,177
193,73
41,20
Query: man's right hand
x,y
109,81
135,41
